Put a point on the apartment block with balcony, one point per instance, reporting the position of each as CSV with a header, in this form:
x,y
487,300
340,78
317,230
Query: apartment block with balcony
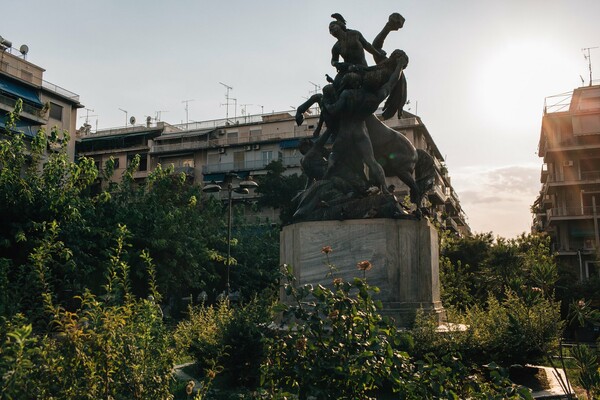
x,y
568,206
206,151
45,105
444,202
122,145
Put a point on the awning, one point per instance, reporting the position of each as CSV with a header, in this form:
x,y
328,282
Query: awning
x,y
20,127
289,143
28,94
214,177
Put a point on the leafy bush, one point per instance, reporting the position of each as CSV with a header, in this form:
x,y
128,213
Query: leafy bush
x,y
333,343
226,340
511,331
116,347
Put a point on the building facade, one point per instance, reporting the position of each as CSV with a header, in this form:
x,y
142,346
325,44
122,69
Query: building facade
x,y
45,105
568,205
207,151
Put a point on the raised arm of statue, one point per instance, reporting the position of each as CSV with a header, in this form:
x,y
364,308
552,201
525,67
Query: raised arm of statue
x,y
302,108
378,53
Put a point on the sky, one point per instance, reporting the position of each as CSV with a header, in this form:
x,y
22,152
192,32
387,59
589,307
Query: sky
x,y
478,74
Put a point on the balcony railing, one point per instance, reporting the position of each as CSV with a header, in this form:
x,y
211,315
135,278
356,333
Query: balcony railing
x,y
590,176
292,161
186,170
60,91
224,141
570,211
557,103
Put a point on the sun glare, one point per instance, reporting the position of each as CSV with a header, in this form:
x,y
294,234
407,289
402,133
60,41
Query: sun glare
x,y
517,75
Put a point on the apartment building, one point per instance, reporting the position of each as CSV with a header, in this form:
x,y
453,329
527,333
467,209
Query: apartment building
x,y
45,105
206,151
568,205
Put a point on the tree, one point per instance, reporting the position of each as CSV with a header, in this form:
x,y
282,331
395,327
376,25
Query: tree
x,y
278,190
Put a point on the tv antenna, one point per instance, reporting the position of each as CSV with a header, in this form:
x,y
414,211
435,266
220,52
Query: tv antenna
x,y
158,114
186,112
87,115
244,110
588,57
125,111
227,100
317,89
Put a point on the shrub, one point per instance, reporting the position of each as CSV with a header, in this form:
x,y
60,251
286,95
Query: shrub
x,y
510,331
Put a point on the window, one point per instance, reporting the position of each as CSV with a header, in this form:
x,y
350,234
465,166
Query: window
x,y
232,137
591,269
56,111
267,157
143,161
187,162
239,158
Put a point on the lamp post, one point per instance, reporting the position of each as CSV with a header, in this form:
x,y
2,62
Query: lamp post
x,y
242,188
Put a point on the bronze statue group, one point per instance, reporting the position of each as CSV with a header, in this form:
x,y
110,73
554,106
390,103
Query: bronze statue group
x,y
339,186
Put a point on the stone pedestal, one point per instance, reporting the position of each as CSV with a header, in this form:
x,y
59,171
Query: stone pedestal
x,y
404,254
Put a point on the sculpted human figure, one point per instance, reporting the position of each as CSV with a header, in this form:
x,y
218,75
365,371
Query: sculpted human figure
x,y
359,137
355,103
350,45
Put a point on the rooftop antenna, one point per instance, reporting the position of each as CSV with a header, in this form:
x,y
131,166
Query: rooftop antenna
x,y
158,114
125,111
186,112
87,115
227,100
589,58
244,111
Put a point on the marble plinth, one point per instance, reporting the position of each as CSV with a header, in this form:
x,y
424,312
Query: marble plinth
x,y
404,254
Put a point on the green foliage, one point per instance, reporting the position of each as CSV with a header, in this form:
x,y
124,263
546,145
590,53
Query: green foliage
x,y
514,330
334,343
474,267
115,348
278,190
225,340
589,374
166,216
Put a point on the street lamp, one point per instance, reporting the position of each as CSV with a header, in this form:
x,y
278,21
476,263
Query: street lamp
x,y
242,188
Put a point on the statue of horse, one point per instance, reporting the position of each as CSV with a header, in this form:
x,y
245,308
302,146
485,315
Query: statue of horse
x,y
394,152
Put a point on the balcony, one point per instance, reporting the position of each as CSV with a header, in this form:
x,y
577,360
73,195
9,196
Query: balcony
x,y
591,176
564,213
544,173
293,161
165,145
437,194
28,111
451,225
189,171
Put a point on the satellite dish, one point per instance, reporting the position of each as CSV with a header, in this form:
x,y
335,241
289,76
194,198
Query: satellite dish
x,y
24,49
132,120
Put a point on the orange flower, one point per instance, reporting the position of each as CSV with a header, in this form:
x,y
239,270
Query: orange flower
x,y
364,265
326,249
334,314
337,281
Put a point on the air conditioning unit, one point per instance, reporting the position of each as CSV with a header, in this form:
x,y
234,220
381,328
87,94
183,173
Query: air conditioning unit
x,y
568,163
221,150
248,148
256,146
